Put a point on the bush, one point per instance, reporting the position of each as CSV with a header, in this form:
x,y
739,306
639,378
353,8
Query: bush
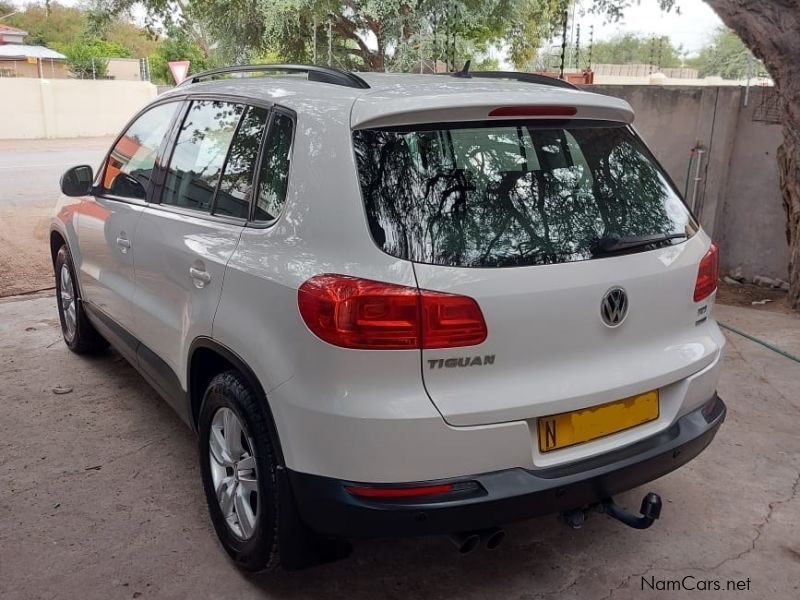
x,y
87,57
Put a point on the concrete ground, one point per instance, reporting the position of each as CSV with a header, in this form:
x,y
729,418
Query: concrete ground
x,y
100,497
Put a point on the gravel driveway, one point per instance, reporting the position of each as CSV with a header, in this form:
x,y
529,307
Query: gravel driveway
x,y
100,497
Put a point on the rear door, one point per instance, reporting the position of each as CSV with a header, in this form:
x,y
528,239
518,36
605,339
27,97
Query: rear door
x,y
185,241
105,224
514,216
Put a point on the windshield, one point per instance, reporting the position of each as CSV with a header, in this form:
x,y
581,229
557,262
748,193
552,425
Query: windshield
x,y
514,194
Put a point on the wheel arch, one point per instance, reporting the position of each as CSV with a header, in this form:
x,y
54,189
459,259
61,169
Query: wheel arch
x,y
57,239
208,358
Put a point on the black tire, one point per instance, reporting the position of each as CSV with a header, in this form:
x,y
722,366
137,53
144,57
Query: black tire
x,y
260,551
83,338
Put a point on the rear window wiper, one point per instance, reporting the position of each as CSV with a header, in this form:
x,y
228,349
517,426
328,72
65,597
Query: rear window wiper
x,y
611,244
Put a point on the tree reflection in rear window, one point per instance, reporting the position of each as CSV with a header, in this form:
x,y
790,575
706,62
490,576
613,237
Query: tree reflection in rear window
x,y
512,194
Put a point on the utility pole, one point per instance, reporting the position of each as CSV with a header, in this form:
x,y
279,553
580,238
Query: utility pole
x,y
591,44
563,44
578,47
330,41
660,53
314,51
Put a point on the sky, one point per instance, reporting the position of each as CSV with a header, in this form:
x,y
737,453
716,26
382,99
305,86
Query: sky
x,y
691,29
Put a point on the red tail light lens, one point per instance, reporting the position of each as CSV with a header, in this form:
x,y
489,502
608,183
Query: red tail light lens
x,y
450,321
360,313
400,492
533,111
708,274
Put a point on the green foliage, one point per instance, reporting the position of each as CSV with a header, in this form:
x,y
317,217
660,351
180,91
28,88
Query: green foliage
x,y
87,56
403,32
614,10
627,49
726,56
177,45
61,27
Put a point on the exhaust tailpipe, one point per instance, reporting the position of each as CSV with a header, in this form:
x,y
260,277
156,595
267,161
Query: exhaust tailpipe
x,y
465,542
492,537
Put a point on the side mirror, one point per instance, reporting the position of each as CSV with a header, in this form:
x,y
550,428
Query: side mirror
x,y
77,181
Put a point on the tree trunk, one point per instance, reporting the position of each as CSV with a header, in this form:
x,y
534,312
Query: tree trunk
x,y
771,29
379,61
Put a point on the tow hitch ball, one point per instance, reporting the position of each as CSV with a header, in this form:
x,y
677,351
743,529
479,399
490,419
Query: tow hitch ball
x,y
651,510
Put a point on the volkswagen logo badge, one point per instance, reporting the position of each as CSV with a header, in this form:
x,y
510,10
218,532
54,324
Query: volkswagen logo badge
x,y
614,307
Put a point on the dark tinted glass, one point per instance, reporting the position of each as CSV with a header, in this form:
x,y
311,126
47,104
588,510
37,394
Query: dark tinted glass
x,y
236,188
511,194
274,176
199,154
131,161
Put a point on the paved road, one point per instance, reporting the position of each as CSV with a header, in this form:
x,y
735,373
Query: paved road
x,y
30,170
100,498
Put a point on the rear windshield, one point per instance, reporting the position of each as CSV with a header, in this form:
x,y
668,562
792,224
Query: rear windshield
x,y
475,195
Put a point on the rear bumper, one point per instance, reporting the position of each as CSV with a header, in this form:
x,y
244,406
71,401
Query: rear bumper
x,y
509,495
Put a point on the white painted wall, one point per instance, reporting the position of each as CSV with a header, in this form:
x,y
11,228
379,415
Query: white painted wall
x,y
68,108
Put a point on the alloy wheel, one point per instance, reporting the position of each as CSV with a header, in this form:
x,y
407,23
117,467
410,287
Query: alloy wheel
x,y
234,473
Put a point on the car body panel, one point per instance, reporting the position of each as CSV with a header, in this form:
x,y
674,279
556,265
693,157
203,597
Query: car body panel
x,y
104,229
170,307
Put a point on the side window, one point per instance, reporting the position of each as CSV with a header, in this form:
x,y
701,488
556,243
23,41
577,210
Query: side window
x,y
236,187
131,161
274,176
199,154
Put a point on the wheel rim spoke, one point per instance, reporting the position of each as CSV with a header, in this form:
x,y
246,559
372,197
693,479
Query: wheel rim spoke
x,y
247,520
226,491
218,448
233,434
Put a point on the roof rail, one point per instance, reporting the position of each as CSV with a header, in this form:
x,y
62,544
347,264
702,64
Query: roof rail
x,y
526,78
315,73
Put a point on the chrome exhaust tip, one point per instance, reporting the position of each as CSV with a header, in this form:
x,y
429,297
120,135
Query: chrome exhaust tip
x,y
465,542
493,537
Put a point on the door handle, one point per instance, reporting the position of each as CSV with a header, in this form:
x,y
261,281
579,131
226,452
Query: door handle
x,y
201,278
124,244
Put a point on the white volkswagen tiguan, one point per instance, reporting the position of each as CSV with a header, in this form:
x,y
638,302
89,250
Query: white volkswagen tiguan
x,y
397,304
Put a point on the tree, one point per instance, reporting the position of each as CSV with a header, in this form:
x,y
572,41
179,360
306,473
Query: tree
x,y
57,26
771,31
627,49
365,34
53,26
87,57
726,56
176,46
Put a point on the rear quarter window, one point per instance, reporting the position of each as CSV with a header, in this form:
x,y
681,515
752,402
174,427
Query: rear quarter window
x,y
512,194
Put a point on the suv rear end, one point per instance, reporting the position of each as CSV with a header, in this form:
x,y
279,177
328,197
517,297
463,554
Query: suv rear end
x,y
530,332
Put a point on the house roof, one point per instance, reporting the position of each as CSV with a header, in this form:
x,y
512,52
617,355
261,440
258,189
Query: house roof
x,y
21,51
12,30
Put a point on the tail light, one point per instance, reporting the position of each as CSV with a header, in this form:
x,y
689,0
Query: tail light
x,y
533,111
399,492
360,313
707,274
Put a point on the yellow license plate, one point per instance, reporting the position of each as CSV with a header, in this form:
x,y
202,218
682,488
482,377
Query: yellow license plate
x,y
579,426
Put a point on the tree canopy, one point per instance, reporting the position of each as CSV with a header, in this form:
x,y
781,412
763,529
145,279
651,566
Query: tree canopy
x,y
725,56
628,48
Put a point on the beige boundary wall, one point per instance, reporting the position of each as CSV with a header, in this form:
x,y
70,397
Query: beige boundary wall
x,y
68,108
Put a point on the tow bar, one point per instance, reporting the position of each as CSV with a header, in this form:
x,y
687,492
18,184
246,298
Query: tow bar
x,y
650,511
